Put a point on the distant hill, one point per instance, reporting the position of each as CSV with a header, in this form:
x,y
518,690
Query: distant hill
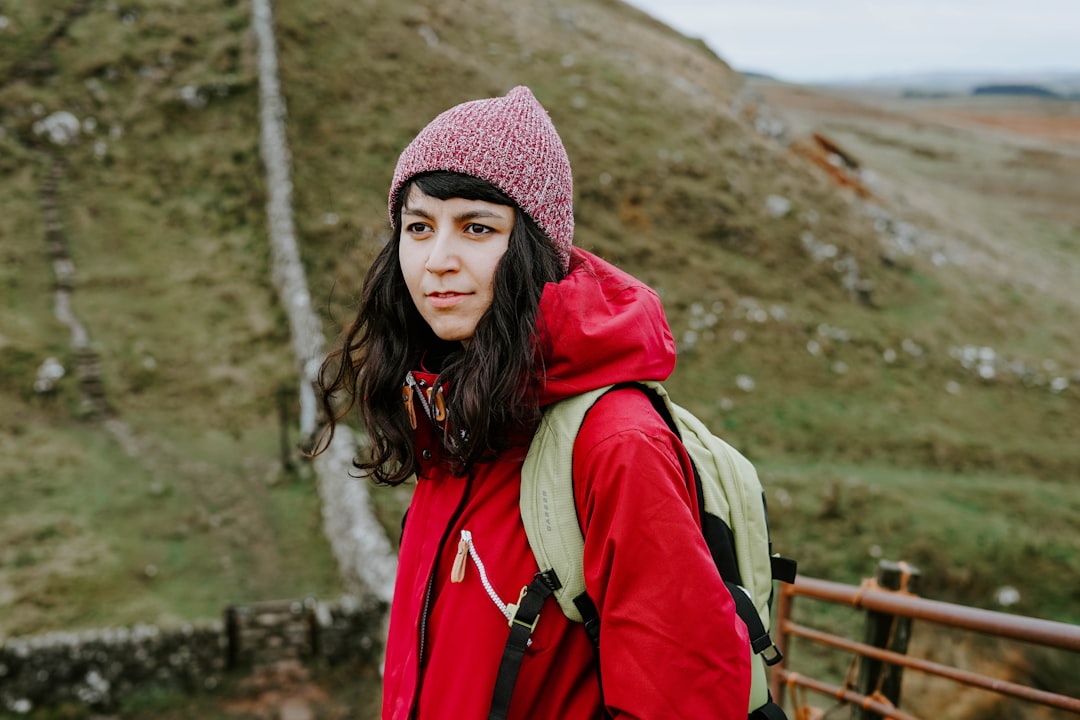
x,y
1023,90
1062,83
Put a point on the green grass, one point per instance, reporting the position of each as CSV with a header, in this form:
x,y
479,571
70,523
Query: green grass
x,y
950,526
106,539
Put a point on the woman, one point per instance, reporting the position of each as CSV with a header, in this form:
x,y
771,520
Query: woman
x,y
475,316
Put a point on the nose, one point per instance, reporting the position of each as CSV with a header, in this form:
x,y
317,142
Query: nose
x,y
443,255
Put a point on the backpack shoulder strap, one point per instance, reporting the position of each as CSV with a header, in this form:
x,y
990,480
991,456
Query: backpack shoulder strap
x,y
547,503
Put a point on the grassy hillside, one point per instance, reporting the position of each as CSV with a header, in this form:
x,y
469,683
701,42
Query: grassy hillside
x,y
902,366
162,208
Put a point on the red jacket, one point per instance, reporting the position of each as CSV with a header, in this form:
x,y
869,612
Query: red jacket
x,y
671,643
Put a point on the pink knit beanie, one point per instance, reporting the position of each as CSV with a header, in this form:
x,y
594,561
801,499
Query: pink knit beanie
x,y
509,142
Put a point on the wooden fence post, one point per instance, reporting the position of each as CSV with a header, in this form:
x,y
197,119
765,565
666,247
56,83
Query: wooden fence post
x,y
889,632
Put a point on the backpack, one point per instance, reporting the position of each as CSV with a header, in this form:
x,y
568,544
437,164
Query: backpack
x,y
734,523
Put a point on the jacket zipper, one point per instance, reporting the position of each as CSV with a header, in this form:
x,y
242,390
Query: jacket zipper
x,y
428,592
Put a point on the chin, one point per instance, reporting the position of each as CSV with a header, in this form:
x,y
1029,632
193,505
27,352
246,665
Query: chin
x,y
460,337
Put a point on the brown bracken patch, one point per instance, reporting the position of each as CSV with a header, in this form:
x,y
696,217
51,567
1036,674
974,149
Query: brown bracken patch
x,y
1059,128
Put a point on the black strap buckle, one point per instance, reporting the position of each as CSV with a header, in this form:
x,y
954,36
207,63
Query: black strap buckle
x,y
524,614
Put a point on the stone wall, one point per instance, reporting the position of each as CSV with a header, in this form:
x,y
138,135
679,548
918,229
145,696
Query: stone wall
x,y
364,553
97,668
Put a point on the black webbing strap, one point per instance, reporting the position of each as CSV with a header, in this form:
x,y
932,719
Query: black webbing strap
x,y
760,641
783,569
590,616
522,625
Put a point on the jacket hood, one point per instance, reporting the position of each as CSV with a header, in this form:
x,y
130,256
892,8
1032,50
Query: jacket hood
x,y
600,326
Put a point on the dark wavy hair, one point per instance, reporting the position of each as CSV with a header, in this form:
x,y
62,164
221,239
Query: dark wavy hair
x,y
491,381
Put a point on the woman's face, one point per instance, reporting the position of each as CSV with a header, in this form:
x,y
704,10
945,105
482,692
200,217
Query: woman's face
x,y
448,253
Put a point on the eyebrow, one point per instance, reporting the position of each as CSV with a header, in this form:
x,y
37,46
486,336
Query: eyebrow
x,y
469,215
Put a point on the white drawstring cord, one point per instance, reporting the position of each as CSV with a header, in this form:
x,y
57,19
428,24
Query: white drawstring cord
x,y
466,537
507,610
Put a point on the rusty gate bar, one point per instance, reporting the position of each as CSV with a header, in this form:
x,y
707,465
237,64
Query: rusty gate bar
x,y
1015,627
786,677
1004,687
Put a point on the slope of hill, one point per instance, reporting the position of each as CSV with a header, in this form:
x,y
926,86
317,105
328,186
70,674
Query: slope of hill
x,y
160,210
902,364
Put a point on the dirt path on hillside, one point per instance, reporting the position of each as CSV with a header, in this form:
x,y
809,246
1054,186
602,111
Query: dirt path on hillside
x,y
233,509
92,402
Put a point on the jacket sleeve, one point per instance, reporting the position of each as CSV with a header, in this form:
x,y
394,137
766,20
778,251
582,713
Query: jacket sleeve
x,y
671,644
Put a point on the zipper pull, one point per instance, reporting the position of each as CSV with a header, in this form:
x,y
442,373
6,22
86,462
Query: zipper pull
x,y
457,572
406,397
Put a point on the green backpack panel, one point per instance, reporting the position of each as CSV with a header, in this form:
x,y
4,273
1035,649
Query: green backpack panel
x,y
734,516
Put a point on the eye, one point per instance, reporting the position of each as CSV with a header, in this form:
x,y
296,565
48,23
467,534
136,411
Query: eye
x,y
477,229
417,228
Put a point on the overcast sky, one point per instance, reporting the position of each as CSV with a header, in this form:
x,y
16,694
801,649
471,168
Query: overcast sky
x,y
803,40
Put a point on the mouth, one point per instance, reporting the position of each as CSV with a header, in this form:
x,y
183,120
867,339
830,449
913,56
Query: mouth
x,y
445,299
